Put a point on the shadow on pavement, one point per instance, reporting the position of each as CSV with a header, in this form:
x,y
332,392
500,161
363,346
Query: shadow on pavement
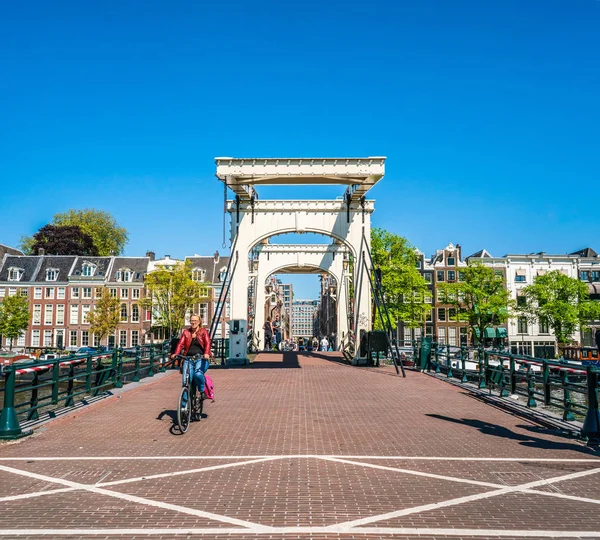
x,y
288,360
526,440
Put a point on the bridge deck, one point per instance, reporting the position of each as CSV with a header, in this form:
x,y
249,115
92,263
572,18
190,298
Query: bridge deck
x,y
299,446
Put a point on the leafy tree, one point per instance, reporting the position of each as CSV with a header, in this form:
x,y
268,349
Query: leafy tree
x,y
404,287
171,294
14,317
481,298
561,301
63,240
108,237
106,315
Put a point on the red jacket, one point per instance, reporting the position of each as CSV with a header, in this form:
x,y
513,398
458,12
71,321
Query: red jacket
x,y
186,341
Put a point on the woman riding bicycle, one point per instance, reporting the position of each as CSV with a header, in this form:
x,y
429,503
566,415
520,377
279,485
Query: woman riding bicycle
x,y
195,341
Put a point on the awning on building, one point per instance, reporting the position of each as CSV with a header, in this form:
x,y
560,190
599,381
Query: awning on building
x,y
490,333
520,272
501,332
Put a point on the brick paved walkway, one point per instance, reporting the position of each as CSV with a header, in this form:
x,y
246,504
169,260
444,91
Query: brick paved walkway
x,y
299,447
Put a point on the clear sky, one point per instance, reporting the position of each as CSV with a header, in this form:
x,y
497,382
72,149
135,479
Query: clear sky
x,y
488,112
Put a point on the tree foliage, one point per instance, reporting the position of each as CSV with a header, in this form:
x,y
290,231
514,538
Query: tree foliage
x,y
480,298
404,287
561,301
14,317
107,236
63,240
171,294
106,315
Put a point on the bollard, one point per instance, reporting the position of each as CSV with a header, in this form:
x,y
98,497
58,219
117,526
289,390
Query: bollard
x,y
9,423
591,424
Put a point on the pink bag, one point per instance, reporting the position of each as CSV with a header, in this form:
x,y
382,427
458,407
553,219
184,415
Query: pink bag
x,y
209,388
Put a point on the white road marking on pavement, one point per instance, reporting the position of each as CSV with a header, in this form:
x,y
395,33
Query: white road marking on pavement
x,y
415,473
398,531
300,456
132,498
345,526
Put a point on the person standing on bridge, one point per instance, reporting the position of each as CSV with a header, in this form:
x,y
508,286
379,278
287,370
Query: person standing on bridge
x,y
324,344
195,341
268,328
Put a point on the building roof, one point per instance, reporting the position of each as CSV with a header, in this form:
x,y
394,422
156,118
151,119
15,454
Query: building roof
x,y
212,265
11,251
585,252
28,263
138,265
481,254
102,268
62,263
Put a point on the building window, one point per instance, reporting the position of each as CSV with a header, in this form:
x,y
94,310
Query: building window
x,y
125,274
451,275
217,292
50,293
451,261
521,325
584,275
135,313
37,293
418,264
135,339
96,340
47,338
441,275
520,279
84,313
48,312
595,275
544,326
441,336
2,292
124,312
461,276
74,314
135,294
60,314
203,313
75,292
23,293
85,338
98,292
15,274
125,293
88,269
73,338
51,274
441,314
427,277
60,293
428,316
35,338
86,292
452,315
113,293
123,338
452,335
12,291
37,314
198,274
521,300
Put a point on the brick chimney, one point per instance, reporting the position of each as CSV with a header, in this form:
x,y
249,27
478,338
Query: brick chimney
x,y
459,252
41,251
151,255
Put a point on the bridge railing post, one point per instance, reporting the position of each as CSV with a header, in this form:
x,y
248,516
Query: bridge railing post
x,y
9,423
480,365
591,424
136,369
463,362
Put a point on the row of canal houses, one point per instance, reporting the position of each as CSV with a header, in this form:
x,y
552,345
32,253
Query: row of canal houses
x,y
518,271
63,289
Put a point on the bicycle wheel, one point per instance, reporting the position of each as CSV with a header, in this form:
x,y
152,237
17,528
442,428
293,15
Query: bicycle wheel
x,y
184,411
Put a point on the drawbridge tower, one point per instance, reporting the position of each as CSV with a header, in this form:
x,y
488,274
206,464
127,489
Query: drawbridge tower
x,y
346,220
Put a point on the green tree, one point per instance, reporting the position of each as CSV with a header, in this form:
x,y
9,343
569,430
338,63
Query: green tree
x,y
108,237
479,298
561,301
404,287
171,294
106,315
14,317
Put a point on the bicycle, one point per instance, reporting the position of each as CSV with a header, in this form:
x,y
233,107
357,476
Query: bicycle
x,y
192,410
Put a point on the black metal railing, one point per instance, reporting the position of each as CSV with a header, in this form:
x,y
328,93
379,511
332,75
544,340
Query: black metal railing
x,y
562,385
36,390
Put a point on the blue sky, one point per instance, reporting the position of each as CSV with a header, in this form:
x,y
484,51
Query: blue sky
x,y
488,112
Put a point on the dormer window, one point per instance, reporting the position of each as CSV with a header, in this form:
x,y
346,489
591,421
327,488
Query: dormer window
x,y
223,274
15,274
198,274
88,269
52,274
125,274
